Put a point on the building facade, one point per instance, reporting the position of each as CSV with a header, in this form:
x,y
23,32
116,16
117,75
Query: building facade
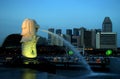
x,y
50,37
75,41
58,31
69,32
76,31
106,40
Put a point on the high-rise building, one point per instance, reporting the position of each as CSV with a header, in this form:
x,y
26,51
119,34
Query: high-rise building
x,y
106,40
75,41
94,31
50,30
58,31
57,41
50,37
82,30
76,31
69,32
107,25
67,37
88,39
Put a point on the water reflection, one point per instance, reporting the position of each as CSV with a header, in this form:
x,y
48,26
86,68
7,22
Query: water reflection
x,y
29,74
33,74
22,73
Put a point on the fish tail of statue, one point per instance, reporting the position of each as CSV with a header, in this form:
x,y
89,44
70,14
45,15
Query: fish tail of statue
x,y
29,38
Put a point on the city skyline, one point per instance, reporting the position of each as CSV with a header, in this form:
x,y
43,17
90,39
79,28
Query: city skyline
x,y
60,14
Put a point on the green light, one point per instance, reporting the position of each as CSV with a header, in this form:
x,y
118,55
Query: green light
x,y
70,52
108,52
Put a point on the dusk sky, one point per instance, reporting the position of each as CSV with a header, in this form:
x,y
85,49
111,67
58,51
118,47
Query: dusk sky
x,y
56,14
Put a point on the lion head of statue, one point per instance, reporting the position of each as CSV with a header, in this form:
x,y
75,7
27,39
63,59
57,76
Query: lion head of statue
x,y
29,29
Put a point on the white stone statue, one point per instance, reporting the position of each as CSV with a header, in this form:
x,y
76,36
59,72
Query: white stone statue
x,y
29,38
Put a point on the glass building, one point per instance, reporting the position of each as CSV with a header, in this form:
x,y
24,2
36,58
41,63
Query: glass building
x,y
107,25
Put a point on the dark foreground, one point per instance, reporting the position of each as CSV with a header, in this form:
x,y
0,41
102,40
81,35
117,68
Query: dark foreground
x,y
34,72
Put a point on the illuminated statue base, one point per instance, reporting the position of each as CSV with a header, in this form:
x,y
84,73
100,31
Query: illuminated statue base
x,y
29,48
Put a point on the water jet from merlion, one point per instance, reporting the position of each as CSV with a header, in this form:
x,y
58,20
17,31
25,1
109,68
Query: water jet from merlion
x,y
29,38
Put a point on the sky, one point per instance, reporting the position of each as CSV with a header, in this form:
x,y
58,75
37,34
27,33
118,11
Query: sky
x,y
56,14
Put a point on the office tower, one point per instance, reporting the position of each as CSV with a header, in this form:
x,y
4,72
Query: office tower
x,y
75,31
107,25
56,40
58,31
67,37
106,40
51,30
88,39
50,37
69,32
75,41
94,31
82,30
75,38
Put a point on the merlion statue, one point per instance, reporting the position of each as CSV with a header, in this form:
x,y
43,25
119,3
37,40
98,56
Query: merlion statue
x,y
29,38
